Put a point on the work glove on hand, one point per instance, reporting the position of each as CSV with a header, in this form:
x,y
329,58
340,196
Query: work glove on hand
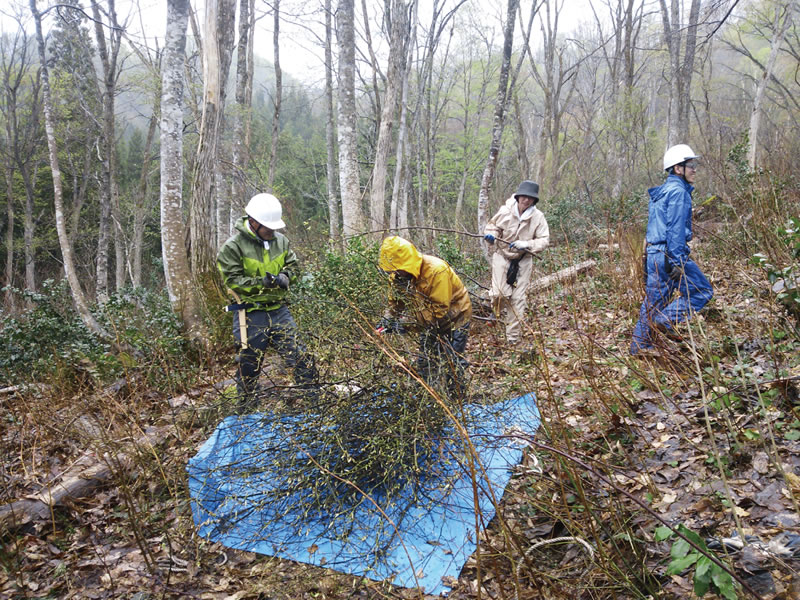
x,y
675,272
519,245
489,238
387,325
268,280
282,281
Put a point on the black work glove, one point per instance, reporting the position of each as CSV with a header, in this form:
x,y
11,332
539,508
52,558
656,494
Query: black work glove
x,y
675,272
269,280
282,281
387,325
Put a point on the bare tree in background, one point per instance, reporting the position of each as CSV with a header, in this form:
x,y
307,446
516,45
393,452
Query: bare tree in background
x,y
784,13
108,49
21,109
398,211
626,18
217,54
506,82
397,25
349,184
152,61
330,129
276,99
180,284
681,67
58,194
556,78
242,114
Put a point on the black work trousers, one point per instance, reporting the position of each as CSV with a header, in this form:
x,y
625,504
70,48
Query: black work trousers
x,y
441,358
277,329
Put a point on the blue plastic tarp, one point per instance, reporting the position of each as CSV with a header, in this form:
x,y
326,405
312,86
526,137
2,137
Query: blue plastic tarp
x,y
243,498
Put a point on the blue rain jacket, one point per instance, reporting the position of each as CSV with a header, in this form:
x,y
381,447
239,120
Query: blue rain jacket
x,y
669,226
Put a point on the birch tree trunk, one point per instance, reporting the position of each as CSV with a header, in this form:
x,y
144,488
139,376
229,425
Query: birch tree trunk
x,y
276,102
330,129
783,19
177,273
399,38
398,212
499,116
241,114
58,196
217,50
349,184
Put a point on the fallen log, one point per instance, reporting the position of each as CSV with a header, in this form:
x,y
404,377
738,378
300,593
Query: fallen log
x,y
545,283
482,306
80,479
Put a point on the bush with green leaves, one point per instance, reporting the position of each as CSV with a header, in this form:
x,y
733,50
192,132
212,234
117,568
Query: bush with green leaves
x,y
470,264
48,338
708,576
341,288
785,276
143,320
51,338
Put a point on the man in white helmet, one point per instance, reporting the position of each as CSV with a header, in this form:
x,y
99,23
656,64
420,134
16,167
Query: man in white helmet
x,y
668,266
258,266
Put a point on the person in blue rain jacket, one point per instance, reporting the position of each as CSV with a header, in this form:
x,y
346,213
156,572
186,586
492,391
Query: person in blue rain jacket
x,y
668,266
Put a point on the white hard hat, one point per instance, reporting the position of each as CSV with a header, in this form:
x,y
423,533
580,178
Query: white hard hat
x,y
266,209
675,155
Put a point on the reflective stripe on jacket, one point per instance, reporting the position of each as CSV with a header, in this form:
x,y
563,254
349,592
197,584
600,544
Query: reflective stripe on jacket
x,y
509,225
245,259
669,225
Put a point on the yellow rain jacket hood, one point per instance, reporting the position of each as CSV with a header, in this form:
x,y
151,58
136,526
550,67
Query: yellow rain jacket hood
x,y
439,297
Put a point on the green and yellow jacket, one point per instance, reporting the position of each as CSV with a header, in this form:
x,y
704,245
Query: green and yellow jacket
x,y
244,260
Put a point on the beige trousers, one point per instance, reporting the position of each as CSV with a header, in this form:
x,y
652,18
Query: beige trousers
x,y
510,301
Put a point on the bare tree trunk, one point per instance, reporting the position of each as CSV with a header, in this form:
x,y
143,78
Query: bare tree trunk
x,y
680,71
522,142
783,19
330,129
217,50
398,212
8,282
276,102
241,115
499,116
109,201
79,190
399,38
28,231
177,273
349,184
58,196
141,202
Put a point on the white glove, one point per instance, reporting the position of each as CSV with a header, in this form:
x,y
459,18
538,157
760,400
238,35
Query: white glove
x,y
520,245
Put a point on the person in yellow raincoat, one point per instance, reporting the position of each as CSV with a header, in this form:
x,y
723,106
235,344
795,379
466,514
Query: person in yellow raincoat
x,y
426,295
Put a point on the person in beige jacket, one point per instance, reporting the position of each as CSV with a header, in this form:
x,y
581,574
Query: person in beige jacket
x,y
520,230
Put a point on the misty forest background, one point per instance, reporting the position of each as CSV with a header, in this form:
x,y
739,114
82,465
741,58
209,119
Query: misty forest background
x,y
127,152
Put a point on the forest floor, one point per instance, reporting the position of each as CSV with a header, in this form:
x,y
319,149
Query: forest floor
x,y
706,435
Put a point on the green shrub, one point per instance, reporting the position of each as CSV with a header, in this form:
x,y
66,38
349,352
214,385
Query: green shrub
x,y
51,338
785,277
144,321
47,337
